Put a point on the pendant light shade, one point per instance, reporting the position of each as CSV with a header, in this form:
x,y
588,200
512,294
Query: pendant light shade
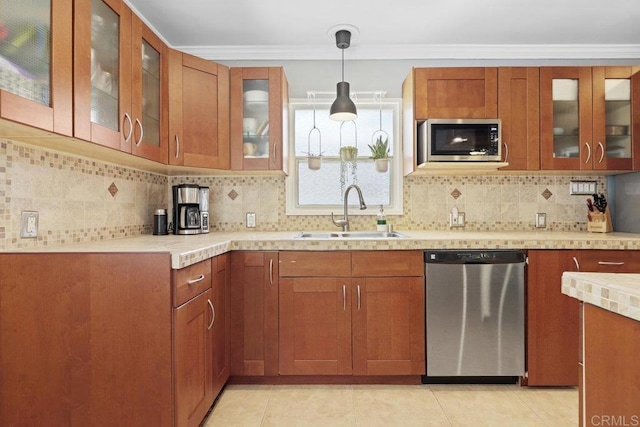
x,y
343,109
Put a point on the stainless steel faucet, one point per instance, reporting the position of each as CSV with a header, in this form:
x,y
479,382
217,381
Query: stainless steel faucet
x,y
344,222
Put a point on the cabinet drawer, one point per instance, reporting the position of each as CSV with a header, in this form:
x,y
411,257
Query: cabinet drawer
x,y
387,263
610,261
315,264
190,281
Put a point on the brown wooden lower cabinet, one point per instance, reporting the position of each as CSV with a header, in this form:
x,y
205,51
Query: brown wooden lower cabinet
x,y
351,324
92,339
553,318
85,339
611,383
253,313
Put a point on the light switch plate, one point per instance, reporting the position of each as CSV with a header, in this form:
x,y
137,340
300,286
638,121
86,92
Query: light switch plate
x,y
541,220
251,220
582,188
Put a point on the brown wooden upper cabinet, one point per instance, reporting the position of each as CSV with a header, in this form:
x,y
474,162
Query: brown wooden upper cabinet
x,y
120,80
102,73
259,119
470,93
198,112
586,117
519,110
36,78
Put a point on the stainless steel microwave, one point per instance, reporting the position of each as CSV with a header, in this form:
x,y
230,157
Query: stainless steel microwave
x,y
459,140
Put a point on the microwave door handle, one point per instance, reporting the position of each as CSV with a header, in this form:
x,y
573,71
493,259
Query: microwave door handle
x,y
506,152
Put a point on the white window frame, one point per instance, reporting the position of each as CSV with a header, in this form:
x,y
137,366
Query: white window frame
x,y
396,178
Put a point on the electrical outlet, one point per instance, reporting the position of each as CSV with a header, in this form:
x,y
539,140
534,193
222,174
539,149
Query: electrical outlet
x,y
251,220
456,219
29,224
541,220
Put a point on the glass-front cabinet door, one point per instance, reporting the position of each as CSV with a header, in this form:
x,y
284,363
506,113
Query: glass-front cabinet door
x,y
149,94
612,117
565,118
102,73
259,104
35,63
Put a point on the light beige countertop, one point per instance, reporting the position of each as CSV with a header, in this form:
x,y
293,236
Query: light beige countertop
x,y
616,292
187,250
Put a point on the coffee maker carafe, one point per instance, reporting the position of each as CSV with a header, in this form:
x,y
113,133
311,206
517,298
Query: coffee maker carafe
x,y
186,209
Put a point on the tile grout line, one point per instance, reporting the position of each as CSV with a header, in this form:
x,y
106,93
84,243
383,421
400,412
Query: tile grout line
x,y
264,411
531,408
440,405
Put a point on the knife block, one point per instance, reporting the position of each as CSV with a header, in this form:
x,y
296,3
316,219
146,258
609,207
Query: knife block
x,y
600,222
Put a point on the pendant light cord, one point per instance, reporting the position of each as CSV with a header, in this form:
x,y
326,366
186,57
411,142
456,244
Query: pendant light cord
x,y
342,64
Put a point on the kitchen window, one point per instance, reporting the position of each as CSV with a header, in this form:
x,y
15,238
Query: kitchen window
x,y
319,192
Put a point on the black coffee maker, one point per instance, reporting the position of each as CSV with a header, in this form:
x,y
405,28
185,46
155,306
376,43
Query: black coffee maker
x,y
186,209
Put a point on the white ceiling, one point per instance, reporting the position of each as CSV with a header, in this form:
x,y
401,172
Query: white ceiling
x,y
402,29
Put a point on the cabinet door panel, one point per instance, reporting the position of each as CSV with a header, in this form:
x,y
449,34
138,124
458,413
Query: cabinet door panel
x,y
388,326
468,93
552,320
102,73
519,110
45,98
220,325
198,113
315,326
253,313
193,360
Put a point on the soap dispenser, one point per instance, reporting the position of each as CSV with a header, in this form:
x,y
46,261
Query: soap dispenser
x,y
381,221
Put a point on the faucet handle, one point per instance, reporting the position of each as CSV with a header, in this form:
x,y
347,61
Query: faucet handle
x,y
339,222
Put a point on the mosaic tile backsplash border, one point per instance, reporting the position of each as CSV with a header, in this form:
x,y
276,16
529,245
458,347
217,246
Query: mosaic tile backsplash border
x,y
85,200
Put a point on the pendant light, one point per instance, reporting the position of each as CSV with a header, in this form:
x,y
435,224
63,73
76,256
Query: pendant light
x,y
343,109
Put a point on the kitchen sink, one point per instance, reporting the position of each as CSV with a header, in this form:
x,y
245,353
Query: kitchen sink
x,y
348,235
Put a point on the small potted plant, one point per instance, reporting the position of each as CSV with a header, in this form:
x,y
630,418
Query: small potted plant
x,y
380,153
314,161
348,153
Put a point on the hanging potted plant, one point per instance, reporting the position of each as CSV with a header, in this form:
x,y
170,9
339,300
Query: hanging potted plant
x,y
314,161
380,153
348,158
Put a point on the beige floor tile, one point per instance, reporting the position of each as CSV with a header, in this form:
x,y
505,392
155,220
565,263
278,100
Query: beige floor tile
x,y
527,419
401,421
554,405
240,405
395,401
311,401
288,421
479,402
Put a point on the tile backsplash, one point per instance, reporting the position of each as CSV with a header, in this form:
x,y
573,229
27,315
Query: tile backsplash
x,y
82,200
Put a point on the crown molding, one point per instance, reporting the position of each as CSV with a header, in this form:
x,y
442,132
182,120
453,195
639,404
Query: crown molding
x,y
418,52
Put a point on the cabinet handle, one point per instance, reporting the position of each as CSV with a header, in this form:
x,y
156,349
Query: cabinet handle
x,y
177,146
586,144
128,137
139,123
275,151
213,314
196,280
344,297
575,260
271,271
358,292
601,152
610,263
506,152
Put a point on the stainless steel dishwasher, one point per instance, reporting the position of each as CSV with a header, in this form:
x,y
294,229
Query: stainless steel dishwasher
x,y
475,313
